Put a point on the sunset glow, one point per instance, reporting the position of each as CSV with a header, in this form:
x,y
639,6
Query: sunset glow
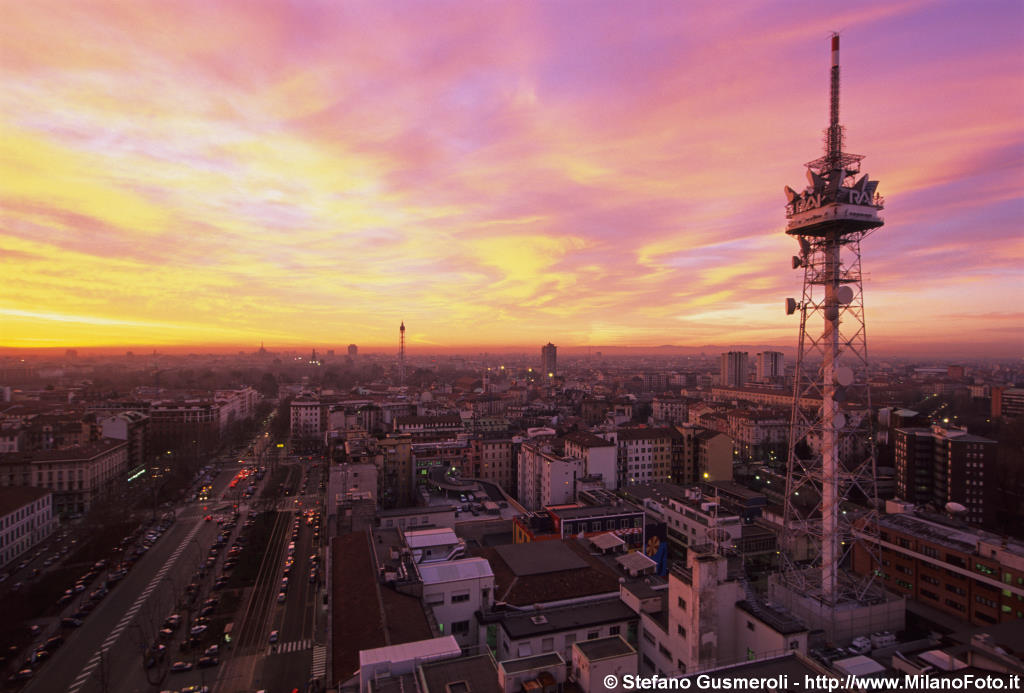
x,y
511,173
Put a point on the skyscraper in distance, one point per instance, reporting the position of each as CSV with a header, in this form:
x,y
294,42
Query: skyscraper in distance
x,y
768,366
734,368
549,359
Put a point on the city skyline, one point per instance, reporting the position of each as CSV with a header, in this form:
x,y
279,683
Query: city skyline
x,y
315,174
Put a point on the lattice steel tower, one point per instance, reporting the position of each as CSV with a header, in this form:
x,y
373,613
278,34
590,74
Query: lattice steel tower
x,y
831,464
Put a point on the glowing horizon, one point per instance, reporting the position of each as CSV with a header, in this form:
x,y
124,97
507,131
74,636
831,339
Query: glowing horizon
x,y
495,174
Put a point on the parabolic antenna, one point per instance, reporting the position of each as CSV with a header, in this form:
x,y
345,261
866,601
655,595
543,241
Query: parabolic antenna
x,y
844,295
844,376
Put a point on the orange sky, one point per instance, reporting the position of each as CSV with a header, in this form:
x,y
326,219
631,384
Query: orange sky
x,y
495,173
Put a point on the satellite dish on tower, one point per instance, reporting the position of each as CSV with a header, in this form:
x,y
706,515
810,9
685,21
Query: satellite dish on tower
x,y
844,295
844,376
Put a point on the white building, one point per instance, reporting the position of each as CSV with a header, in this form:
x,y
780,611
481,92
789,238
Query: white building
x,y
308,417
400,660
599,456
433,545
593,661
713,620
455,591
557,629
546,477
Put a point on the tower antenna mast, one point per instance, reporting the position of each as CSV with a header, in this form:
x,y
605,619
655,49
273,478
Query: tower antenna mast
x,y
831,458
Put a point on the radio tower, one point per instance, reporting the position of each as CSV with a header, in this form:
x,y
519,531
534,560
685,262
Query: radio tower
x,y
831,461
401,354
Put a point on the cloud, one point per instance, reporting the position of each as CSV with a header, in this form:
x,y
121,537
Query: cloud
x,y
495,173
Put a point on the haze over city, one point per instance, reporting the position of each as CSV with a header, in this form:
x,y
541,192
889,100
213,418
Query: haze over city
x,y
495,174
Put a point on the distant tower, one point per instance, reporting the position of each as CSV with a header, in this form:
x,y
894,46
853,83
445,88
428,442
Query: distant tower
x,y
353,350
734,365
549,360
831,449
401,354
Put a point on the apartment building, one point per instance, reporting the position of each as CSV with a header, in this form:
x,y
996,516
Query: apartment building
x,y
26,518
644,455
941,465
78,476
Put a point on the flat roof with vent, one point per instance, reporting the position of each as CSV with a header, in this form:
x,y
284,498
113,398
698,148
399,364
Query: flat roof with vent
x,y
538,557
527,624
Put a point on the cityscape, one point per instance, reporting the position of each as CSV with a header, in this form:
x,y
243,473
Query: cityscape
x,y
452,348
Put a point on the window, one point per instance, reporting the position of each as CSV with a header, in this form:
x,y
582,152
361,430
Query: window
x,y
593,634
750,625
547,645
682,603
456,598
614,630
681,631
460,628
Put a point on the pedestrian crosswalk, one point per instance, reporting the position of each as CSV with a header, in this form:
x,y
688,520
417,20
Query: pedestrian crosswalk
x,y
293,646
319,662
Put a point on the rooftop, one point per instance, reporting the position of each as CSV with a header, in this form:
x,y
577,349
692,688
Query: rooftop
x,y
539,661
548,583
571,513
780,621
587,440
420,650
420,538
538,558
14,497
948,535
643,433
366,615
77,453
527,624
477,674
453,571
605,648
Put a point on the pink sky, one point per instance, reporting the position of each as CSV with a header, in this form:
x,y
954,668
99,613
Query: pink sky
x,y
496,173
